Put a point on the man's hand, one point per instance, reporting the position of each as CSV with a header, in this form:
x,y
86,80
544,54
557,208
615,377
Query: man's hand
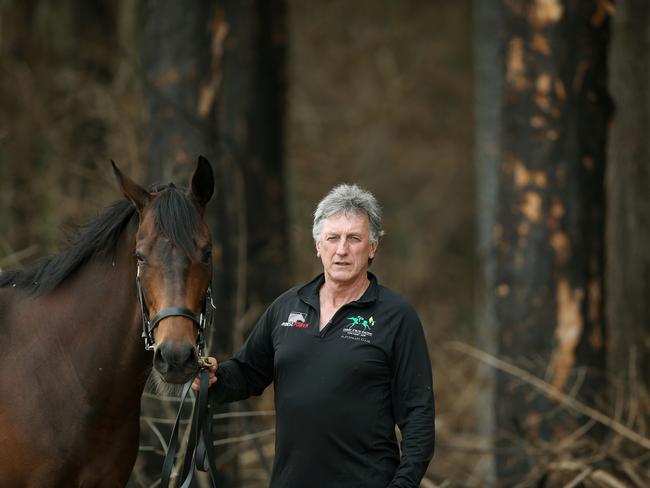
x,y
212,377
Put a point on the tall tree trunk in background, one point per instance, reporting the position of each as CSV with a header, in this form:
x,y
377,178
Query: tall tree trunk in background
x,y
250,117
488,82
216,87
549,232
176,59
628,224
251,143
181,43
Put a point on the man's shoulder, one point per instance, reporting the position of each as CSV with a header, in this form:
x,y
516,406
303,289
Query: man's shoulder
x,y
392,298
287,296
398,307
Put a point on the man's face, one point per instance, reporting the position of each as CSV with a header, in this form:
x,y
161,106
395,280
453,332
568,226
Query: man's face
x,y
344,247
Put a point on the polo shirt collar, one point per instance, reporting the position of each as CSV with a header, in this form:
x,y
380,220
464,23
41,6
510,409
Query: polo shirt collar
x,y
308,293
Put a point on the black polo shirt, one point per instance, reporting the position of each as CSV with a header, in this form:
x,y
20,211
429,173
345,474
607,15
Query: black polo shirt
x,y
340,392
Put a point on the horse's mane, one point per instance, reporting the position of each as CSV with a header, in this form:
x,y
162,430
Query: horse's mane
x,y
95,238
175,216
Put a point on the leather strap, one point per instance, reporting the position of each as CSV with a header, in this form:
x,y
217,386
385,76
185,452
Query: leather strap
x,y
199,451
173,312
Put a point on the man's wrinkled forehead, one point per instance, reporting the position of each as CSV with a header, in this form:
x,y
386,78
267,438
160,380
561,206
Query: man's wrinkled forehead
x,y
346,221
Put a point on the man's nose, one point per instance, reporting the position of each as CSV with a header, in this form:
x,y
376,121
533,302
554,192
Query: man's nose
x,y
342,248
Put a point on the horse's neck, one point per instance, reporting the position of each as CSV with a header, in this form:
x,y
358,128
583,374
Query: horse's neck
x,y
98,332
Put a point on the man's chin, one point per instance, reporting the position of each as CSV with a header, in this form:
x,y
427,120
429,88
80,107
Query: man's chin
x,y
342,274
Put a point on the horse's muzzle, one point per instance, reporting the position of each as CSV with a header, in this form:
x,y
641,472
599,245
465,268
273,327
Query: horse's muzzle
x,y
176,363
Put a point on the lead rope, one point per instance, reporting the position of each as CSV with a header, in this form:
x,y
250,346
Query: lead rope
x,y
199,453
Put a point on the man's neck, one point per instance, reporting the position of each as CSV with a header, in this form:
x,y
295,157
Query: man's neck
x,y
338,294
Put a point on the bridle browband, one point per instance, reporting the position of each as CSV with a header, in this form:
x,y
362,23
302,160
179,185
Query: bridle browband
x,y
200,319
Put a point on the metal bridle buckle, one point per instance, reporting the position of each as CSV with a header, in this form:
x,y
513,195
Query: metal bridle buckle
x,y
204,362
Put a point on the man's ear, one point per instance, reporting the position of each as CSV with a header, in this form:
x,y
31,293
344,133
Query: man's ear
x,y
373,249
203,182
137,195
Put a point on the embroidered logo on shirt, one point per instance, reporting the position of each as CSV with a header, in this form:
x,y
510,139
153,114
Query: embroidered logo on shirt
x,y
358,328
296,319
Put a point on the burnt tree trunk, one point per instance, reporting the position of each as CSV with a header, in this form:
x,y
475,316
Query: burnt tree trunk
x,y
628,224
250,117
181,64
215,74
176,60
549,231
487,96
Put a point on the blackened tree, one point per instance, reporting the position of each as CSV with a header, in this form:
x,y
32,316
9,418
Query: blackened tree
x,y
628,182
549,234
214,78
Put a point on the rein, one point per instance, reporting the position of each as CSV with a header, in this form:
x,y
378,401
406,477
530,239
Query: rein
x,y
199,451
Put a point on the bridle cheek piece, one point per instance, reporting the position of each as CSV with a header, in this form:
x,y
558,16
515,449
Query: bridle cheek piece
x,y
201,319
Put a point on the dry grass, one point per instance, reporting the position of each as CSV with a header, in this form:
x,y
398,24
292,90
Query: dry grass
x,y
616,455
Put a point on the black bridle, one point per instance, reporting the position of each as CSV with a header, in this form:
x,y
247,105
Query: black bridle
x,y
200,319
199,452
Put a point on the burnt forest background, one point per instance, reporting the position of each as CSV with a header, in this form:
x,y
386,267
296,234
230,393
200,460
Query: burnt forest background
x,y
508,142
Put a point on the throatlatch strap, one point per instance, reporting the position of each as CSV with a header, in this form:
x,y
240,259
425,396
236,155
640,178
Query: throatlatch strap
x,y
199,451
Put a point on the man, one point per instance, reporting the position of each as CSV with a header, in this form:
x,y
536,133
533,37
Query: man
x,y
348,361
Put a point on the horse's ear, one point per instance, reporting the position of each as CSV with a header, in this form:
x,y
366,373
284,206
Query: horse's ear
x,y
203,182
138,196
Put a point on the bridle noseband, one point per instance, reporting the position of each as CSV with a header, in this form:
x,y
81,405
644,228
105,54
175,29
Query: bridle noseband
x,y
200,319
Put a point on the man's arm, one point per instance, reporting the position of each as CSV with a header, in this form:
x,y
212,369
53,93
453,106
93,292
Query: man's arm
x,y
250,371
412,398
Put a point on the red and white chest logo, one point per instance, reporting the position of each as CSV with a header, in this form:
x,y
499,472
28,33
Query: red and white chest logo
x,y
296,319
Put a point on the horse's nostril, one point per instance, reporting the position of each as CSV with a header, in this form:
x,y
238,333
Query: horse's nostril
x,y
159,361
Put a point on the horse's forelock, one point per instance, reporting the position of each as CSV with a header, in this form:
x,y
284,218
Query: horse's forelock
x,y
177,217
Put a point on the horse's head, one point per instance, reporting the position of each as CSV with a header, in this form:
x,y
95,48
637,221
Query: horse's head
x,y
174,267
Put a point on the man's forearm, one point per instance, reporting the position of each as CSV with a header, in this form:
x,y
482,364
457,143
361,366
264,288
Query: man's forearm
x,y
231,385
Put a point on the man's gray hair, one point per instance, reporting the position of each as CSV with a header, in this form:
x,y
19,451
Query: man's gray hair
x,y
349,199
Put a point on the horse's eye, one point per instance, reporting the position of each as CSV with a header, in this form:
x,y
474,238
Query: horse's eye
x,y
207,254
139,257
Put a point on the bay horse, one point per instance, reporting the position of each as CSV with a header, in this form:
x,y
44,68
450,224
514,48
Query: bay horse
x,y
72,363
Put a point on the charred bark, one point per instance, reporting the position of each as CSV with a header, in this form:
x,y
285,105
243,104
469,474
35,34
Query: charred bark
x,y
176,60
251,204
628,181
216,79
181,63
487,92
251,144
549,232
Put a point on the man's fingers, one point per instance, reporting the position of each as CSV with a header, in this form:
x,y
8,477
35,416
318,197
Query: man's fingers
x,y
213,364
212,377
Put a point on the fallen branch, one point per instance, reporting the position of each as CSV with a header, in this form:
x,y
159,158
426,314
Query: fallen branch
x,y
607,479
552,392
242,438
216,416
